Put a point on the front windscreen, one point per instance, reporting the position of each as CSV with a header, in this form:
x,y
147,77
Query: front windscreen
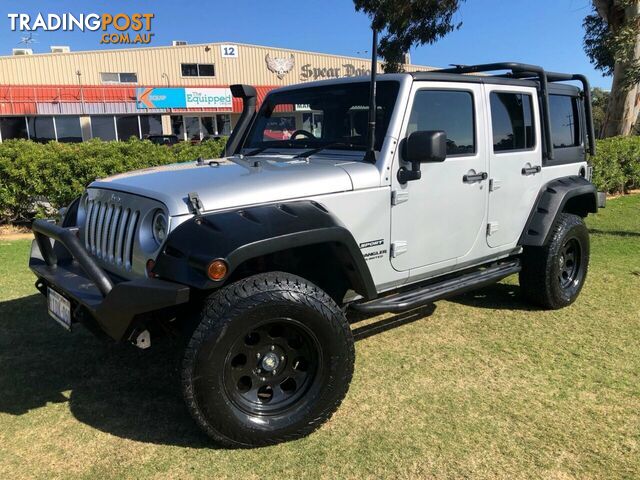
x,y
332,116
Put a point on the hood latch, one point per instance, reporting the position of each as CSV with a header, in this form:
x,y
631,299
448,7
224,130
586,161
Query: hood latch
x,y
196,203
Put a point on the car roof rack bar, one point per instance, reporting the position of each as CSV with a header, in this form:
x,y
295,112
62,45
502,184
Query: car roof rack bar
x,y
518,68
586,91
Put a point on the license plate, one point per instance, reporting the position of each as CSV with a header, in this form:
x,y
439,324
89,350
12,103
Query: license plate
x,y
59,308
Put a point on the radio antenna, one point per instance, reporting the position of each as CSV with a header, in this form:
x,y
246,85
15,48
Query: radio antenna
x,y
370,156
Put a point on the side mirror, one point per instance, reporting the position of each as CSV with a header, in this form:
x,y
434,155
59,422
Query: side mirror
x,y
422,147
426,146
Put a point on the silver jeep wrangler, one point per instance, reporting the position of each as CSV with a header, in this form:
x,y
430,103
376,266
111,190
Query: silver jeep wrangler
x,y
376,196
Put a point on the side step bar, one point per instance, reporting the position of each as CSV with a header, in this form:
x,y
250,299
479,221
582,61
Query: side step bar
x,y
417,297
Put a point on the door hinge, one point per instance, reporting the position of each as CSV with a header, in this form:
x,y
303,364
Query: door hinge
x,y
492,227
398,248
494,185
399,196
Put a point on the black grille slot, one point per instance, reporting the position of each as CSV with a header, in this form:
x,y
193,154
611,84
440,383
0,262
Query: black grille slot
x,y
109,232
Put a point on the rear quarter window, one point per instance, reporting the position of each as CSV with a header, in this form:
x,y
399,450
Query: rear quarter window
x,y
565,121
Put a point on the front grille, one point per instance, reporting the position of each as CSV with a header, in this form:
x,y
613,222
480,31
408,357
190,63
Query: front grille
x,y
109,232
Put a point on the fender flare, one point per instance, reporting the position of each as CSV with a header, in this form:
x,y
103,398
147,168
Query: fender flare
x,y
237,236
573,194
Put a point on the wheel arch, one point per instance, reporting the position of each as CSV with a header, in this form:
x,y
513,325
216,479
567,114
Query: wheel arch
x,y
573,194
300,237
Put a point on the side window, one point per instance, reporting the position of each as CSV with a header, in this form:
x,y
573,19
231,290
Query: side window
x,y
447,110
512,121
565,124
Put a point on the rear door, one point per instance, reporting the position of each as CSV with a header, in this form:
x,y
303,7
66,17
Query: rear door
x,y
515,161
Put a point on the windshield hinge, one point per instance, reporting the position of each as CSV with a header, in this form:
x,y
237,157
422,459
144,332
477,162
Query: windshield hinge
x,y
196,203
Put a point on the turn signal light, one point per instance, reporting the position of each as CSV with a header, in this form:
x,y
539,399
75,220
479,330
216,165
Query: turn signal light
x,y
217,270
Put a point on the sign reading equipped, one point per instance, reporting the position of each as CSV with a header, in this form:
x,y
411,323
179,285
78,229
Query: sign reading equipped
x,y
183,98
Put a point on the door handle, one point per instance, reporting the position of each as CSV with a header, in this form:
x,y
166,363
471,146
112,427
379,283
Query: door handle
x,y
475,177
531,170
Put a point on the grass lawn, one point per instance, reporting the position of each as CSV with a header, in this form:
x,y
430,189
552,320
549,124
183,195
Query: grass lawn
x,y
481,386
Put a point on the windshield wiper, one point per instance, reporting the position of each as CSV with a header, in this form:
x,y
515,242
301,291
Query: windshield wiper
x,y
258,150
255,152
313,151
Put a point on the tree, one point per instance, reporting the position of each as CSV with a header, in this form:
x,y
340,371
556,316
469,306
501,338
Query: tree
x,y
599,101
406,23
612,42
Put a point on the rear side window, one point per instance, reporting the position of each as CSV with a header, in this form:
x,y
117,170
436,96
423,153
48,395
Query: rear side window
x,y
447,110
565,126
512,121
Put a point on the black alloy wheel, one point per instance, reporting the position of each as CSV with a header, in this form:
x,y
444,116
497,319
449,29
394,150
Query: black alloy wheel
x,y
270,361
271,366
553,275
569,263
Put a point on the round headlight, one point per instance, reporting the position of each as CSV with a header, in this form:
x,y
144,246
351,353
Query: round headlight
x,y
159,227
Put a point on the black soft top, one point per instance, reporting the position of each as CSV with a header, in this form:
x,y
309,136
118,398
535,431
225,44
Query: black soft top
x,y
513,73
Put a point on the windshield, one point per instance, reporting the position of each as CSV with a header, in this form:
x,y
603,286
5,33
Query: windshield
x,y
332,116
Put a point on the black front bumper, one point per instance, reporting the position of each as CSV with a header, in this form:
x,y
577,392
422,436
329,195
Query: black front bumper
x,y
61,262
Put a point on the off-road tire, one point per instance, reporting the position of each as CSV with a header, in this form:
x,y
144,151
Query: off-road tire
x,y
541,277
242,307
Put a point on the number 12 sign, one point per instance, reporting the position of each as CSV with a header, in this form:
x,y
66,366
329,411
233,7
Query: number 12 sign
x,y
229,51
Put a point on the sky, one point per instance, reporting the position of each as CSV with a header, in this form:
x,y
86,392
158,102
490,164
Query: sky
x,y
542,32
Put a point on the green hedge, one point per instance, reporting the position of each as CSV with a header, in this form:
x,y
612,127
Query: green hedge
x,y
59,172
616,165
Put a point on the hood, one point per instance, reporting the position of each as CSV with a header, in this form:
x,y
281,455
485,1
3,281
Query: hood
x,y
224,184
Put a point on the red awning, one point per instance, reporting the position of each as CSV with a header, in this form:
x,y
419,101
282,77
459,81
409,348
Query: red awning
x,y
65,99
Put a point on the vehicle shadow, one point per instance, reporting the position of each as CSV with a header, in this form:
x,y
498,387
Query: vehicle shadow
x,y
114,388
621,233
386,323
118,389
499,296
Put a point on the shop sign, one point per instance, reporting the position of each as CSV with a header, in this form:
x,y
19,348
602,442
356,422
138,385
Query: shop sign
x,y
183,98
309,72
208,97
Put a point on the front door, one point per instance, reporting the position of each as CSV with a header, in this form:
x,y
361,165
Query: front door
x,y
440,217
515,162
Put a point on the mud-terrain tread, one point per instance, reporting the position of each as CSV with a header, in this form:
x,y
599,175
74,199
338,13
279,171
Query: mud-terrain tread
x,y
246,294
537,263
